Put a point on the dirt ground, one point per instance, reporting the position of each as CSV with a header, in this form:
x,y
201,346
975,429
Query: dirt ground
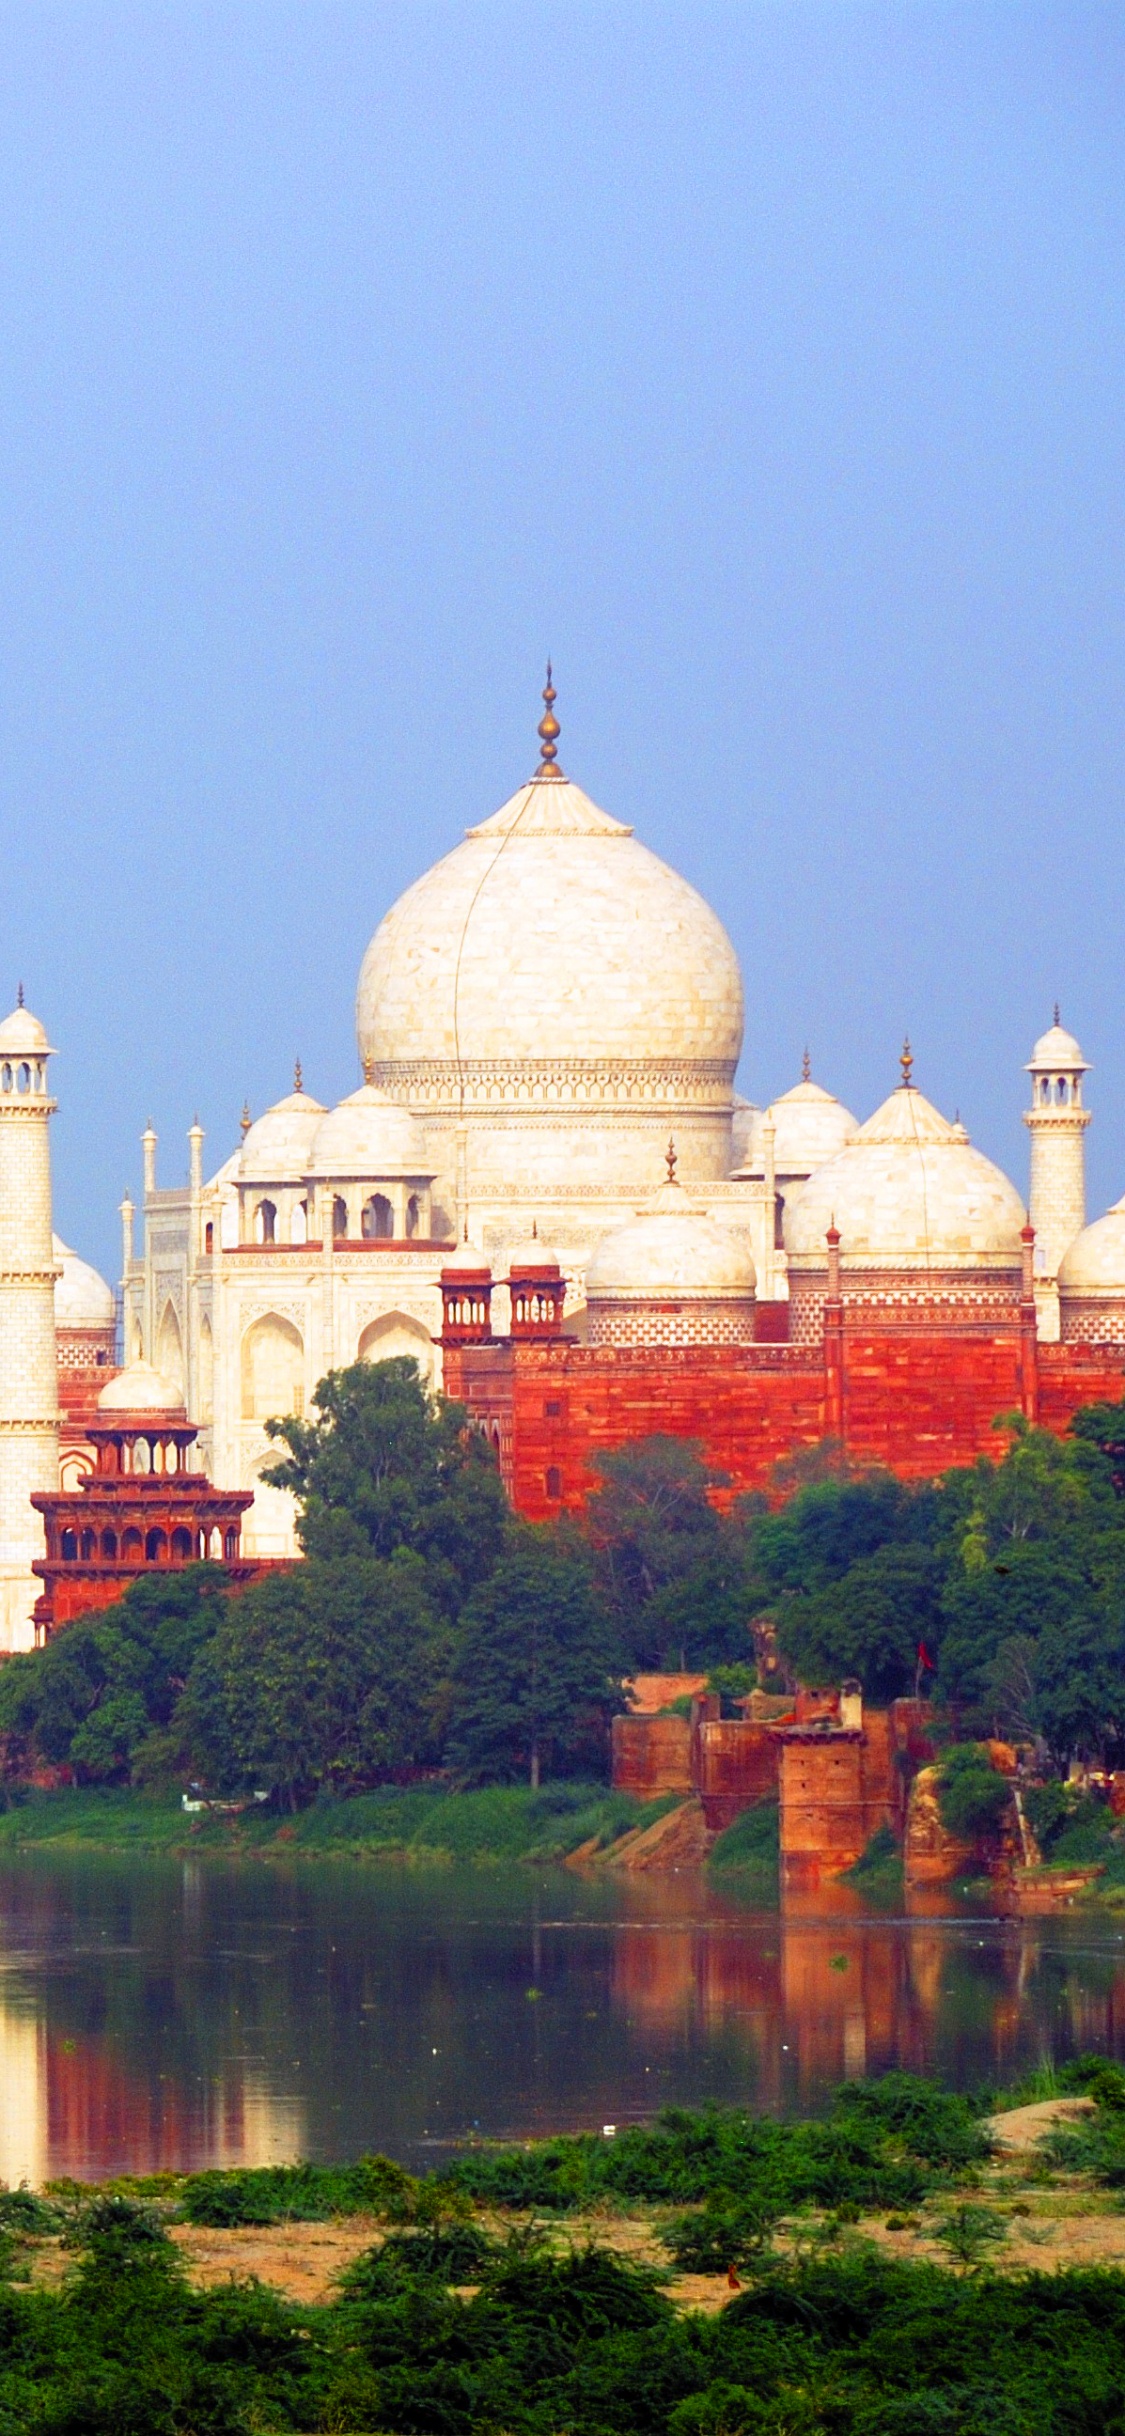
x,y
1055,2224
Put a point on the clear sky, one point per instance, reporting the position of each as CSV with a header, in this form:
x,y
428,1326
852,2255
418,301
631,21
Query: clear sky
x,y
764,363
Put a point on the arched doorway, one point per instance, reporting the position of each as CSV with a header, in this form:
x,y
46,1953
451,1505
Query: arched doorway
x,y
395,1334
273,1369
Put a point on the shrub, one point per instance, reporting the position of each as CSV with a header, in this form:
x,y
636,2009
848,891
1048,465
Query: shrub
x,y
973,1797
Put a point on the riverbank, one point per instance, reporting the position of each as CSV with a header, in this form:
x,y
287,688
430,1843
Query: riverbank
x,y
498,1824
911,2261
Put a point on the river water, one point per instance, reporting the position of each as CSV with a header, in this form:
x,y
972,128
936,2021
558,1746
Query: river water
x,y
173,2014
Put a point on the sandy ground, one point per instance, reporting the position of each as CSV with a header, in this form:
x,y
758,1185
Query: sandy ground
x,y
1061,2224
1022,2127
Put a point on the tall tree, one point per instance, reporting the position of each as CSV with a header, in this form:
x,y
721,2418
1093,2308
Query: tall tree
x,y
103,1693
384,1465
652,1526
870,1622
534,1684
332,1675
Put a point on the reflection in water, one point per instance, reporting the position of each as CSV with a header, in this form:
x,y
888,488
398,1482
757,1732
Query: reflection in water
x,y
154,2014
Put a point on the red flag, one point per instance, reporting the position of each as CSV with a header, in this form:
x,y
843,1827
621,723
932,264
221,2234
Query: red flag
x,y
924,1658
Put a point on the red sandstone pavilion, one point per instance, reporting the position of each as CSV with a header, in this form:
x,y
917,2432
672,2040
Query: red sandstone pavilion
x,y
141,1506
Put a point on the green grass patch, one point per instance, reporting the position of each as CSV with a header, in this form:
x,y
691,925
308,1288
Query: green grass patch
x,y
500,1823
751,1843
878,1870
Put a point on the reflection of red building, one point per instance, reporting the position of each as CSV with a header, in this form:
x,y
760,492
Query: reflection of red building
x,y
140,1508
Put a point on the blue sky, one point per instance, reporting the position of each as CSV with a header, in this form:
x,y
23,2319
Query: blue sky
x,y
764,363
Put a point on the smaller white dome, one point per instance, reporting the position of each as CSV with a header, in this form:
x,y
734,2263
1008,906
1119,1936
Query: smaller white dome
x,y
369,1135
141,1389
22,1035
1056,1048
276,1149
908,1190
672,1249
1095,1261
810,1126
82,1298
533,1253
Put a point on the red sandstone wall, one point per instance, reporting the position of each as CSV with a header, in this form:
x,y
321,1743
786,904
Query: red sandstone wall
x,y
736,1766
748,1404
917,1400
836,1790
651,1755
1073,1375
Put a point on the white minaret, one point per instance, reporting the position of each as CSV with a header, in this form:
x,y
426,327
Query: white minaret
x,y
1057,1122
29,1389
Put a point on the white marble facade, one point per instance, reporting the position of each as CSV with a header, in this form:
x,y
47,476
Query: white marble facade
x,y
536,1018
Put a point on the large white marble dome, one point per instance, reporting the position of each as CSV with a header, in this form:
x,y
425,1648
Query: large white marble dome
x,y
547,972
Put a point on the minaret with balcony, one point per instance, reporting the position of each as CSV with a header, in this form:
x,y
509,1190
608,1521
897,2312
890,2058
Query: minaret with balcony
x,y
29,1391
1056,1121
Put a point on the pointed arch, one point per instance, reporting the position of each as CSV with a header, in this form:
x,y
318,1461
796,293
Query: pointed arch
x,y
393,1334
273,1369
206,1372
170,1347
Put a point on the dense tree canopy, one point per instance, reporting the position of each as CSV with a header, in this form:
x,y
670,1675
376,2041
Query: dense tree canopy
x,y
334,1675
103,1695
672,1574
383,1466
534,1682
429,1626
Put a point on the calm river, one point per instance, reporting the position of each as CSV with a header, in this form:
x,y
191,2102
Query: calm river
x,y
175,2014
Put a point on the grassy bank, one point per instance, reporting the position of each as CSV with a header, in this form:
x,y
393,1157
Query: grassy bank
x,y
893,2270
501,1823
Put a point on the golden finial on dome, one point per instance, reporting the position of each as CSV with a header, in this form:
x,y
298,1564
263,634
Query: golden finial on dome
x,y
548,732
298,1084
906,1061
806,1067
245,1120
368,1067
670,1160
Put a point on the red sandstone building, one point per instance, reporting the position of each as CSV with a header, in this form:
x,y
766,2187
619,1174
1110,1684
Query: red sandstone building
x,y
911,1329
139,1507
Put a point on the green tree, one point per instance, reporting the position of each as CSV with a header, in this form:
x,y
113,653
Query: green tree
x,y
833,1524
870,1622
1102,1426
103,1693
534,1684
384,1466
334,1674
652,1527
1079,1676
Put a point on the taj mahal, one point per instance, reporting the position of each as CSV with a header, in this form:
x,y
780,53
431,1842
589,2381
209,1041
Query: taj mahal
x,y
546,1190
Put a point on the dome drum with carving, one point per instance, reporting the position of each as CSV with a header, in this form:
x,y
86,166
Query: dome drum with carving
x,y
1092,1283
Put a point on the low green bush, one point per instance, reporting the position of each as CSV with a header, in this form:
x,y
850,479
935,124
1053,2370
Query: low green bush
x,y
973,1797
850,2343
301,2194
753,1842
884,2145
